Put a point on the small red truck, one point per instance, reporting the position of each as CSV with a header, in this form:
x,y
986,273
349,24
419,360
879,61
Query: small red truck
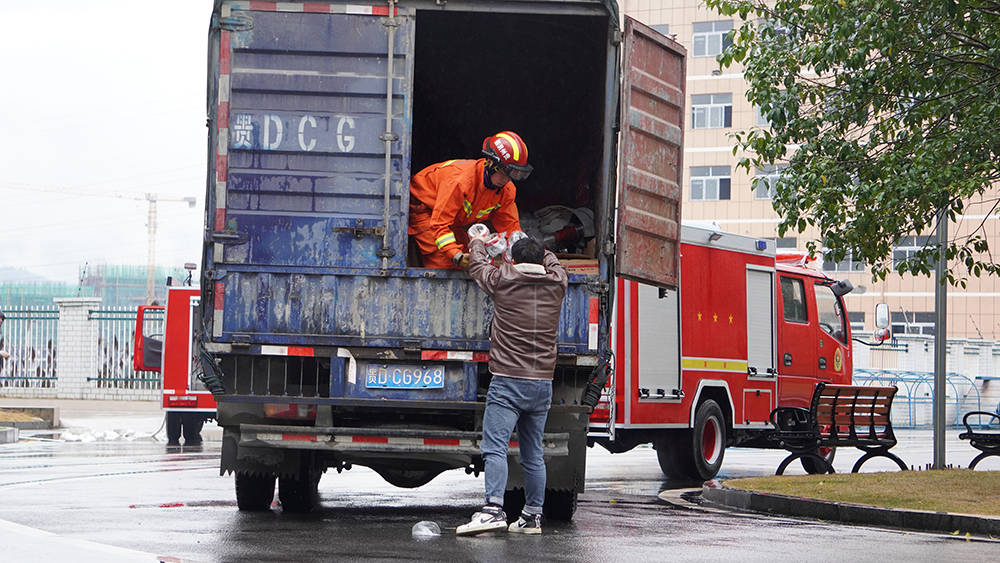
x,y
700,367
188,404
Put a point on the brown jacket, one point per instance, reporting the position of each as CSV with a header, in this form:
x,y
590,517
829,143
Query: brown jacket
x,y
527,306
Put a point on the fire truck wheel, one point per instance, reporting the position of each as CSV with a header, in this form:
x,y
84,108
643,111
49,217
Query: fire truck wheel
x,y
299,494
254,492
673,452
813,467
559,505
708,440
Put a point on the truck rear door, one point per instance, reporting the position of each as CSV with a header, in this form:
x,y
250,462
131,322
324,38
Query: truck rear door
x,y
650,170
300,168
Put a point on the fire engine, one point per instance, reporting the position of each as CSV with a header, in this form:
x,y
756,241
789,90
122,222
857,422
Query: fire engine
x,y
173,354
700,367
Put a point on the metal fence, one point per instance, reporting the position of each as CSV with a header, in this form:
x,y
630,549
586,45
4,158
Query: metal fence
x,y
29,336
914,400
115,342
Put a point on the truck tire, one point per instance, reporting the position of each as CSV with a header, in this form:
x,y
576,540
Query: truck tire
x,y
672,453
299,494
559,505
254,492
708,440
813,467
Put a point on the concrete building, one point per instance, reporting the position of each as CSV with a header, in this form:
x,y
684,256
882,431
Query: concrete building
x,y
715,190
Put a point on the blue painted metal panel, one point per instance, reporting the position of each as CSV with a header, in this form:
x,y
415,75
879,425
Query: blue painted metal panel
x,y
306,158
446,312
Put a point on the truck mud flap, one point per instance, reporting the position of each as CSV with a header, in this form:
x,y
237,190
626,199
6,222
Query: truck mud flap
x,y
383,440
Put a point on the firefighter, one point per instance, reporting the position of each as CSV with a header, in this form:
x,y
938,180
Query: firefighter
x,y
447,197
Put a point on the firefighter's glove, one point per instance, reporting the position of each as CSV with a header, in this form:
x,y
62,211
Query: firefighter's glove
x,y
461,260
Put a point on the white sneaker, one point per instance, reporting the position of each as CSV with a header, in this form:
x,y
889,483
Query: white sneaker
x,y
489,519
527,524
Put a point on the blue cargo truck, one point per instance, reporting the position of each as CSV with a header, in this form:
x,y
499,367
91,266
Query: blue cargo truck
x,y
325,347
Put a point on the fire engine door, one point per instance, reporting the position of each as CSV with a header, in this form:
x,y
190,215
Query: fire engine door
x,y
797,352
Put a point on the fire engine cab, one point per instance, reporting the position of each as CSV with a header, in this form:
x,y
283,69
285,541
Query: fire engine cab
x,y
186,400
699,367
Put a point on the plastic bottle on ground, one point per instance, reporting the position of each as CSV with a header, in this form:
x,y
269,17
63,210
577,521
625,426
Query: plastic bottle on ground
x,y
426,529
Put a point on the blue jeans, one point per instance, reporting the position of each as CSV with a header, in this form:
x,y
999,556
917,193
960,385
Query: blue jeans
x,y
523,403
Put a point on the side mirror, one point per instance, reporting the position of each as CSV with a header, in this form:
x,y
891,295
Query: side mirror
x,y
882,315
842,288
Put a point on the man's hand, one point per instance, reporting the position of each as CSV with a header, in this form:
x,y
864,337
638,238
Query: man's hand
x,y
4,355
461,260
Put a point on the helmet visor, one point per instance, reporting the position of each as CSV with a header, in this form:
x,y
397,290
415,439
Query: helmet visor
x,y
518,172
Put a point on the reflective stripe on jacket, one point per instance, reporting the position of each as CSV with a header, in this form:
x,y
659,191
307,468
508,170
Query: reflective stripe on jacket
x,y
447,197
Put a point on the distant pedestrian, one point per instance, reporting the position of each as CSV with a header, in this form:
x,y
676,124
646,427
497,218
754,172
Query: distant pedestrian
x,y
3,353
527,296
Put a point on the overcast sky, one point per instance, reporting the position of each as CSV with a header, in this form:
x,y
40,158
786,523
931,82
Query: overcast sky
x,y
101,103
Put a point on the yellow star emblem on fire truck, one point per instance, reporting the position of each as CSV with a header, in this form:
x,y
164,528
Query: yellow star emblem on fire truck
x,y
715,317
699,316
730,319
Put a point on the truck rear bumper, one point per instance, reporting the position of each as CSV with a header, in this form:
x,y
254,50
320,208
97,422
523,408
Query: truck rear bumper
x,y
383,440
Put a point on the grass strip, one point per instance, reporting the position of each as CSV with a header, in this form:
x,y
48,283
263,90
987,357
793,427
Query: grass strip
x,y
948,490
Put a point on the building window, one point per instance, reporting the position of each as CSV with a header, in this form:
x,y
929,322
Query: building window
x,y
912,323
759,119
906,247
848,264
856,320
710,182
711,38
766,181
663,28
786,243
711,111
793,300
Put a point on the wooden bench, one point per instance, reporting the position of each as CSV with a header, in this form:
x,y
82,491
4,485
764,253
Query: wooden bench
x,y
985,440
839,415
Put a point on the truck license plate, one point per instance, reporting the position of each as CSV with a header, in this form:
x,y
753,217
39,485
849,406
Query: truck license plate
x,y
380,376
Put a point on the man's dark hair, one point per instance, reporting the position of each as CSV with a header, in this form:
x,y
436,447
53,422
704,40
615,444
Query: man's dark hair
x,y
527,251
2,317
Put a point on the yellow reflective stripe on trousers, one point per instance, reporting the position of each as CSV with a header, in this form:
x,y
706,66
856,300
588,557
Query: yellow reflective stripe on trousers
x,y
467,207
444,240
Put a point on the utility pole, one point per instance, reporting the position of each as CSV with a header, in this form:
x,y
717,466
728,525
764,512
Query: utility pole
x,y
940,341
151,234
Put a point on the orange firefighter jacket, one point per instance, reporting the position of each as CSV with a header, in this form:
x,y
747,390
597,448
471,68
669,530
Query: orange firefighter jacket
x,y
446,198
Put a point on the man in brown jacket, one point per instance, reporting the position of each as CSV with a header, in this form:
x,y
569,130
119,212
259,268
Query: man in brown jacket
x,y
527,297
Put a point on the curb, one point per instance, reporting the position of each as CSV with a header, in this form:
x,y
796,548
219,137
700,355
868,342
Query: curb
x,y
49,416
8,435
715,491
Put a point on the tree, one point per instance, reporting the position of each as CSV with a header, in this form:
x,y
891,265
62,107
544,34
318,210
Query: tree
x,y
887,113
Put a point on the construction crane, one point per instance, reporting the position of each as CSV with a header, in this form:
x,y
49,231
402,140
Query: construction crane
x,y
153,199
150,197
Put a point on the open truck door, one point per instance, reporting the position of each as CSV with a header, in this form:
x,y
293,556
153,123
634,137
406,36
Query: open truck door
x,y
649,212
651,154
148,345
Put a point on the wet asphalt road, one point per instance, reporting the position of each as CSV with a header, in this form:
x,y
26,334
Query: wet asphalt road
x,y
173,505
